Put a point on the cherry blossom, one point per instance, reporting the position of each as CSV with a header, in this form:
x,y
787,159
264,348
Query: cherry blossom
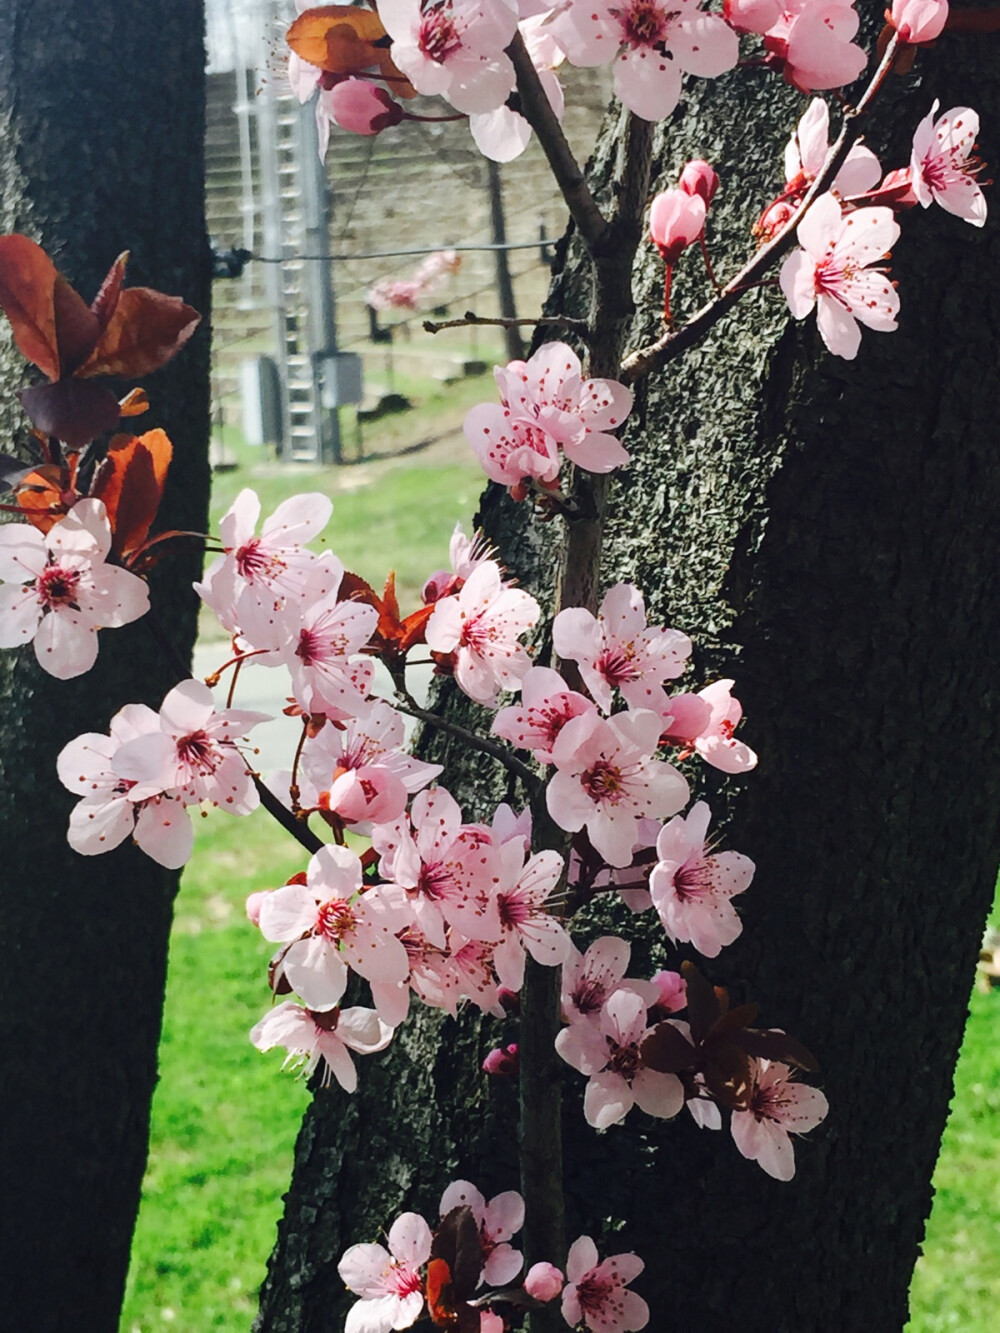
x,y
699,177
807,150
361,772
512,451
388,1280
588,979
503,134
831,272
447,871
616,648
811,40
258,574
481,625
318,647
330,1036
546,706
57,591
608,1052
778,1108
544,1281
465,554
704,723
497,1221
108,814
524,922
918,21
608,778
943,167
596,1293
691,888
651,43
454,49
329,925
548,391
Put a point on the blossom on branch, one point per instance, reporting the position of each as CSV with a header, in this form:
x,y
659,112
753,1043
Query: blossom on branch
x,y
454,49
498,1221
596,1293
58,591
832,273
944,167
779,1107
328,1036
388,1281
918,21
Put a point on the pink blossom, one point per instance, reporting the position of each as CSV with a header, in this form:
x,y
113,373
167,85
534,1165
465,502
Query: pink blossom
x,y
700,178
503,134
446,871
544,1281
57,592
361,771
329,924
671,991
807,150
676,219
503,1061
812,38
589,979
525,924
608,1052
193,755
919,21
546,706
388,1280
318,646
943,167
779,1107
752,15
396,294
465,554
510,450
360,107
616,648
549,392
258,575
108,814
497,1220
704,723
831,272
608,777
651,42
330,1036
481,625
454,49
596,1293
691,889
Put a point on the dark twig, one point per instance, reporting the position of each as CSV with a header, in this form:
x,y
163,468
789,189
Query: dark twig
x,y
579,326
405,703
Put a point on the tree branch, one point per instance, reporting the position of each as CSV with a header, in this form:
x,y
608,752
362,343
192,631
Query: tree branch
x,y
578,326
493,748
672,343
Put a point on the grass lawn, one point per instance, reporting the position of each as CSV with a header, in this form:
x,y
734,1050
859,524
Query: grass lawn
x,y
224,1120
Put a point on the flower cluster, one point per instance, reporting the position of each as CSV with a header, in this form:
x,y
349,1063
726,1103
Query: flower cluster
x,y
411,293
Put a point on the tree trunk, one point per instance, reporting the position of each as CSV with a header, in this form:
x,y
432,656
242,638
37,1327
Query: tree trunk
x,y
102,112
823,529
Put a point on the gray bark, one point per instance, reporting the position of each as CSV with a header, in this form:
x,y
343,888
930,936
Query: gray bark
x,y
101,109
823,530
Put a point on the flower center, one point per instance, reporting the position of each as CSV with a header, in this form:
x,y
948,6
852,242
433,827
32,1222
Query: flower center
x,y
438,37
593,1293
617,665
199,752
251,560
57,586
603,782
401,1279
643,23
335,919
693,881
624,1060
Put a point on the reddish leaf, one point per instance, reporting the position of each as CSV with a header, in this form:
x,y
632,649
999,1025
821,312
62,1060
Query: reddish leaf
x,y
726,1071
40,495
667,1050
77,327
105,303
337,38
768,1044
353,588
457,1242
74,411
144,332
704,1002
27,285
413,627
134,404
389,600
732,1020
132,486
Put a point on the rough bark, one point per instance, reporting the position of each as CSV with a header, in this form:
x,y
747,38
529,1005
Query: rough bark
x,y
102,119
822,529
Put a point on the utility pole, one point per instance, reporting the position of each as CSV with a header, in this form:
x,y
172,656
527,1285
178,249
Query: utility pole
x,y
505,287
322,319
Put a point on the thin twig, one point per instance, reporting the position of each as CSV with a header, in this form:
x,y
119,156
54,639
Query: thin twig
x,y
671,344
579,326
405,703
537,111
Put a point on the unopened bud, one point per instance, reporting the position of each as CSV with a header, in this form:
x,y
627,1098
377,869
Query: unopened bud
x,y
919,21
503,1062
361,107
544,1282
676,218
699,178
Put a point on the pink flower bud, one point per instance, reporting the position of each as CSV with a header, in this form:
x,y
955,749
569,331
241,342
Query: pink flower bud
x,y
510,999
544,1282
699,178
671,991
490,1322
676,218
254,903
361,107
752,15
503,1062
442,583
919,21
